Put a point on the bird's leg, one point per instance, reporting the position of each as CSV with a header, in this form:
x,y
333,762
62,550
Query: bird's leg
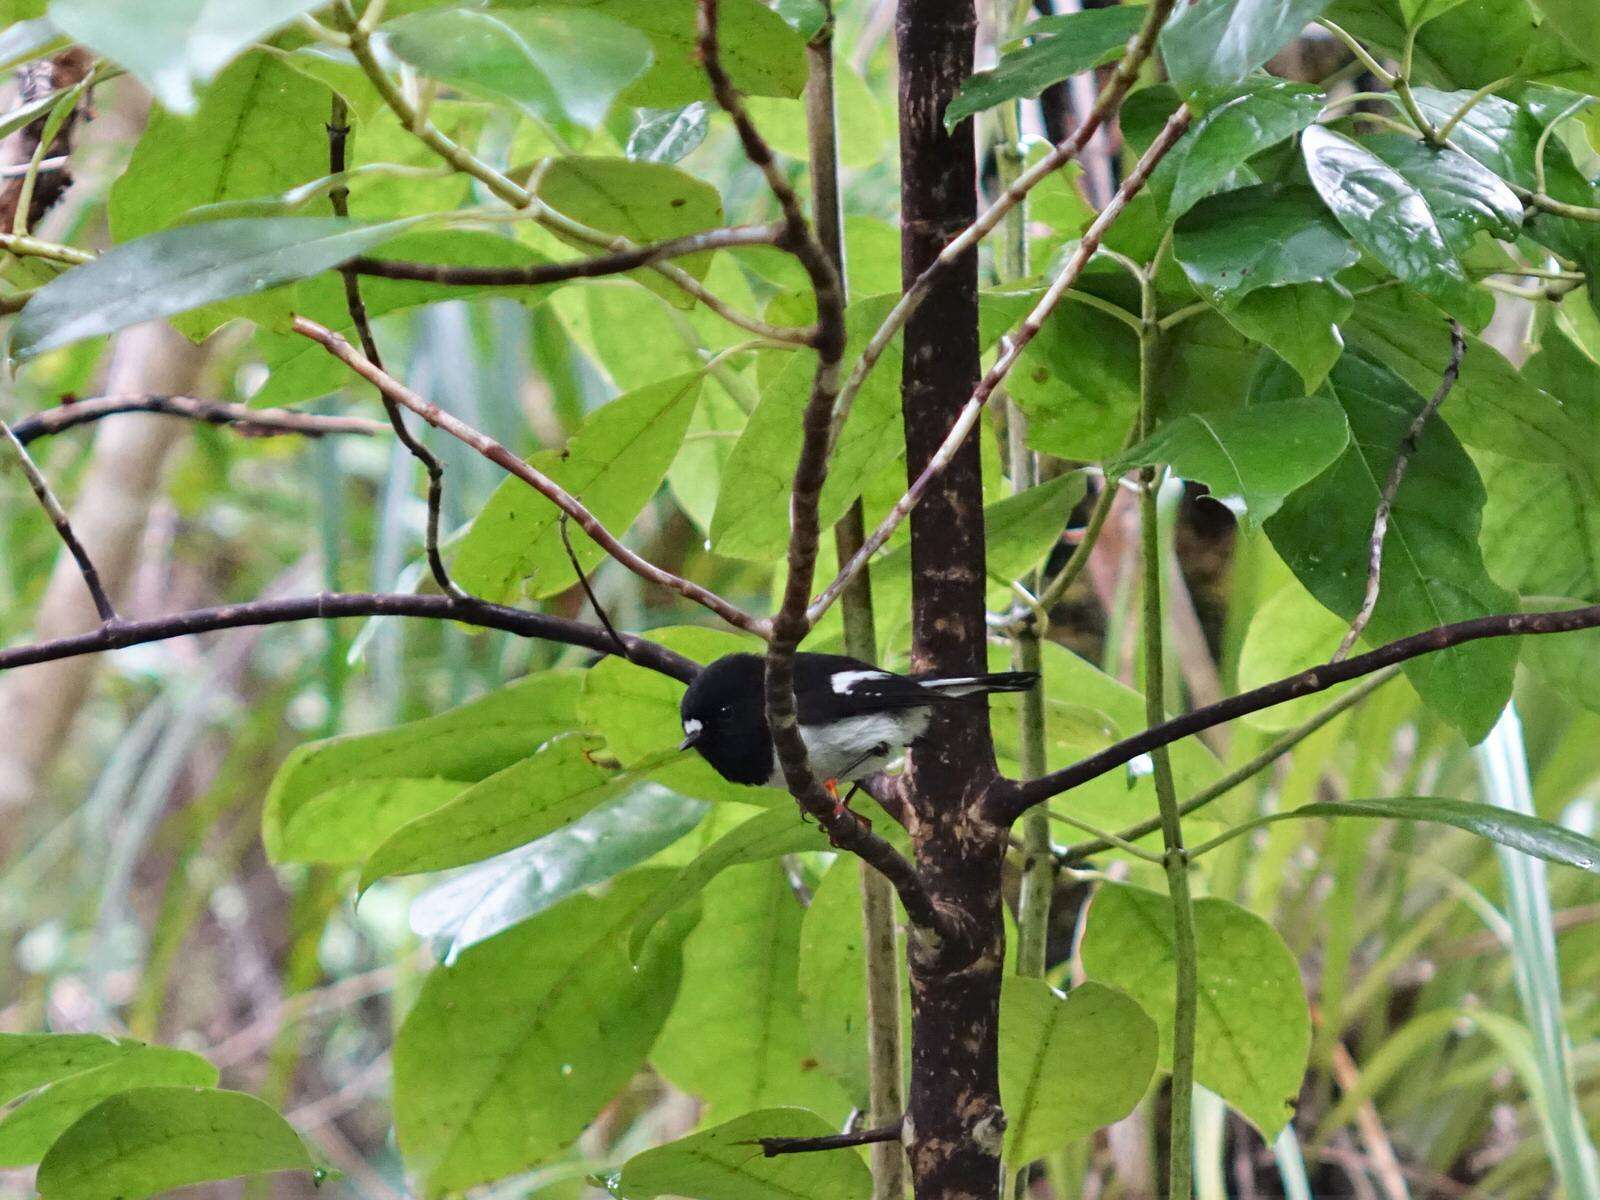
x,y
841,807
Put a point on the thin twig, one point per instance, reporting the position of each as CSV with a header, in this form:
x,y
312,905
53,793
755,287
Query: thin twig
x,y
773,1146
1014,346
251,422
339,198
1391,488
58,518
533,477
583,582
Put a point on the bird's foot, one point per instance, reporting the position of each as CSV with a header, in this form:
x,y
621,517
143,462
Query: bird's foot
x,y
842,808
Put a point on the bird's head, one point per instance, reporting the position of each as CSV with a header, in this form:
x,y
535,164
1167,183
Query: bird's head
x,y
723,706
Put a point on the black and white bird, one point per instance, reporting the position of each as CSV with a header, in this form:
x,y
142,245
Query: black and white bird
x,y
854,718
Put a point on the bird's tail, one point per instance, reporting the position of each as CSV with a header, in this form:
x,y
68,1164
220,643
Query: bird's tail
x,y
953,687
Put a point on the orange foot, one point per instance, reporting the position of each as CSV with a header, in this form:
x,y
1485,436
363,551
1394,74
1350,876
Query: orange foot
x,y
842,807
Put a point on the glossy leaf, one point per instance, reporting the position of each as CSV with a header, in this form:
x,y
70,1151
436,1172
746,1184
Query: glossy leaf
x,y
560,64
335,800
153,1139
546,791
1432,570
508,1054
1254,456
1260,237
174,271
1061,47
1262,114
1253,1029
1300,323
1464,195
723,1163
1045,1038
1209,45
614,463
173,45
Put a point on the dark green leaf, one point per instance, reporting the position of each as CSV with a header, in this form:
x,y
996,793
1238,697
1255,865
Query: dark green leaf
x,y
1254,456
1062,47
154,1139
1254,1029
1299,323
1464,195
1264,113
508,1054
1044,1040
1432,570
1260,237
180,269
1210,45
722,1163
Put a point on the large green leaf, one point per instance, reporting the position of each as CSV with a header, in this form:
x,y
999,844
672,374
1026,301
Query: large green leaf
x,y
154,1139
1575,21
179,269
28,1130
559,64
739,984
1381,209
724,1163
1253,456
508,1054
1253,1029
1061,47
1260,237
337,799
1210,45
1078,383
546,791
613,464
1299,323
1463,194
1432,570
1261,114
1569,663
1045,1038
1289,631
32,1060
173,45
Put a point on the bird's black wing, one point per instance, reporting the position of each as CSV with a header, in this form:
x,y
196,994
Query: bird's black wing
x,y
832,687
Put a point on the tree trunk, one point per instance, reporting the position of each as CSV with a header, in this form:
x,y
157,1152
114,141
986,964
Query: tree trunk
x,y
954,1120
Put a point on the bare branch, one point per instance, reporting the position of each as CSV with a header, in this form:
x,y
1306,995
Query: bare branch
x,y
1012,799
773,1146
58,518
1013,347
353,604
251,422
534,478
1391,488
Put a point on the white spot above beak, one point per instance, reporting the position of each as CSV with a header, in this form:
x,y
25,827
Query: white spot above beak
x,y
692,727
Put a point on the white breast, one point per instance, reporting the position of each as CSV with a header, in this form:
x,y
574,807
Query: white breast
x,y
835,748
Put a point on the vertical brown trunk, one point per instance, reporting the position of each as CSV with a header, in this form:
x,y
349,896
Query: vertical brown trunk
x,y
954,1118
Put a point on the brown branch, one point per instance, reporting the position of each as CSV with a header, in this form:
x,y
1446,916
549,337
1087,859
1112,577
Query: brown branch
x,y
1391,488
352,604
1014,346
771,1147
251,422
1013,798
58,518
583,268
339,199
534,478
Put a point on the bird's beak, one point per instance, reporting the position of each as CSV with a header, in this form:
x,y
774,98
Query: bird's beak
x,y
689,741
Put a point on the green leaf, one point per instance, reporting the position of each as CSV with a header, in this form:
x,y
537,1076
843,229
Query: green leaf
x,y
665,135
482,901
1254,456
1259,237
174,271
613,464
508,1054
154,1139
1432,569
1420,12
1209,45
559,64
861,133
544,792
1464,195
1568,663
1289,632
173,45
28,1130
641,201
1253,1029
1262,114
765,836
1078,383
1299,323
337,799
723,1163
697,472
1529,834
32,1060
1381,209
739,982
1574,20
1045,1038
1061,47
